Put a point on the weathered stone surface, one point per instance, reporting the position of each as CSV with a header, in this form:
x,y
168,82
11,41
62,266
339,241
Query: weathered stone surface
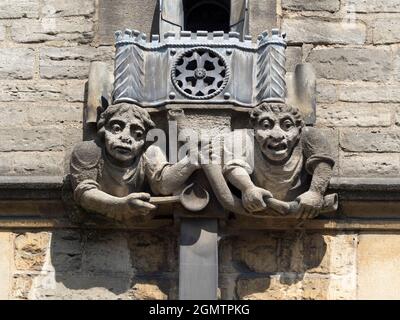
x,y
2,32
374,92
153,253
42,91
21,286
355,115
304,30
39,139
106,252
17,63
23,9
66,251
330,254
77,29
32,163
257,253
71,62
54,114
57,8
263,16
30,250
378,271
147,291
134,14
293,58
377,6
285,287
386,30
318,5
369,165
41,114
315,287
326,92
5,265
370,141
370,64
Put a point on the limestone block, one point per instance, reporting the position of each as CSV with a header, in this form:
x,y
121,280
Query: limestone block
x,y
262,16
354,115
25,8
106,252
42,91
369,165
330,254
316,5
368,6
284,287
54,114
304,31
153,253
315,287
13,116
374,92
79,29
57,8
370,140
386,30
39,139
17,63
31,250
369,64
66,250
257,252
21,286
122,14
71,62
2,32
5,265
326,92
147,291
378,266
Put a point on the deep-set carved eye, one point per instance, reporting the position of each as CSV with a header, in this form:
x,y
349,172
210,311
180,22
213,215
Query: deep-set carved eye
x,y
138,134
116,128
287,124
267,124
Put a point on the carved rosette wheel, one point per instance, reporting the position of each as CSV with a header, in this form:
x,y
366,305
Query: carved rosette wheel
x,y
200,73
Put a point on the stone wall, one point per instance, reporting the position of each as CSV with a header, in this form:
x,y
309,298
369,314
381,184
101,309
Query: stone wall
x,y
45,50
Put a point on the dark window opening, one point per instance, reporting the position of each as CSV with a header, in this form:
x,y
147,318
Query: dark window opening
x,y
207,15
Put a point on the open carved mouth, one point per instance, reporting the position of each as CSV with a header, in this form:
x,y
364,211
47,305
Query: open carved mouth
x,y
123,150
278,147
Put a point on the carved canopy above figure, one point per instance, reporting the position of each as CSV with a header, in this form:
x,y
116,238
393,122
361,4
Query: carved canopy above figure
x,y
200,67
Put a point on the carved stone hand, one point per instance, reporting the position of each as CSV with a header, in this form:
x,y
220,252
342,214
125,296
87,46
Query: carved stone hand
x,y
254,199
311,203
137,203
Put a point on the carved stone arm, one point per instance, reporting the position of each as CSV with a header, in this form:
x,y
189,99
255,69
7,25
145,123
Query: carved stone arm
x,y
321,177
173,177
240,179
119,208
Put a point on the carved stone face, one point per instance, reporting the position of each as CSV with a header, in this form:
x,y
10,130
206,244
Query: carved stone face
x,y
277,135
124,137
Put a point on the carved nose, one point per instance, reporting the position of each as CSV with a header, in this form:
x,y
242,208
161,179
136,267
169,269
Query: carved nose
x,y
277,136
125,139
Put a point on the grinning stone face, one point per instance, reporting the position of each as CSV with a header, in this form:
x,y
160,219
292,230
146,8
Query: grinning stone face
x,y
124,137
277,135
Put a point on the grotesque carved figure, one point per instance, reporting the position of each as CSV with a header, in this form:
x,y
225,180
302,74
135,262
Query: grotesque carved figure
x,y
113,174
288,161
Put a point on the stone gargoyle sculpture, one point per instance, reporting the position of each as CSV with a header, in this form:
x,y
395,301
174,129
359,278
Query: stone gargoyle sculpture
x,y
114,174
287,168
